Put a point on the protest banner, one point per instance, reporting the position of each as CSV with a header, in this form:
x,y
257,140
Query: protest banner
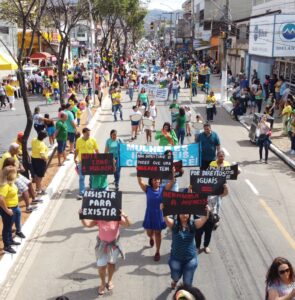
x,y
184,203
101,205
161,94
97,164
189,154
178,168
147,122
154,166
230,173
136,117
209,182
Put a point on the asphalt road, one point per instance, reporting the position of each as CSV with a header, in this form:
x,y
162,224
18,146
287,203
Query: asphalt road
x,y
257,225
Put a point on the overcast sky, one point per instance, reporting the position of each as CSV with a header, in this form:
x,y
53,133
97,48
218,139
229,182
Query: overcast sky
x,y
166,4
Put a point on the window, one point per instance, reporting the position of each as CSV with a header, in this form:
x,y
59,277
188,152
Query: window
x,y
4,30
207,25
201,18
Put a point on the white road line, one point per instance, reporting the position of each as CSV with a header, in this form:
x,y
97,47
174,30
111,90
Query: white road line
x,y
225,152
252,187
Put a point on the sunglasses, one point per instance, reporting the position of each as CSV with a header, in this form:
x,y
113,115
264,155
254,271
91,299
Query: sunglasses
x,y
281,272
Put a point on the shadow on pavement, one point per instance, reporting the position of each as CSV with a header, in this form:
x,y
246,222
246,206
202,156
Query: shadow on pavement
x,y
89,293
165,294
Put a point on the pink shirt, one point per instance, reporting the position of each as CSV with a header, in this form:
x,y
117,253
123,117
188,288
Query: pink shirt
x,y
108,230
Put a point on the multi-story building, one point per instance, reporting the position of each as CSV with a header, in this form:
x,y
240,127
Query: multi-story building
x,y
272,39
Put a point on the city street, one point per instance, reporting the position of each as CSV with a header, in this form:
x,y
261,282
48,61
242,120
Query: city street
x,y
257,224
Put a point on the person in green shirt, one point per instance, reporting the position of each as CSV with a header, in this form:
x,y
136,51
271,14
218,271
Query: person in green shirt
x,y
99,182
167,136
174,108
61,135
180,125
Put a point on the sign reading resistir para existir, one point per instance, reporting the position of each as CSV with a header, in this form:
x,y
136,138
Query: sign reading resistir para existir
x,y
154,166
184,203
101,205
97,164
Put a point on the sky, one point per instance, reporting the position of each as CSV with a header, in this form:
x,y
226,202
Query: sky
x,y
166,4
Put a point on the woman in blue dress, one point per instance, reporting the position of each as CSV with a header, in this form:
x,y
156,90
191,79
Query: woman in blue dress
x,y
153,220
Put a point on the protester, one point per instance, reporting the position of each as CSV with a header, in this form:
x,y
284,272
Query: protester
x,y
9,210
143,99
50,128
167,136
188,293
153,220
38,120
210,106
291,132
209,225
210,143
10,89
24,185
107,249
84,145
135,119
174,108
180,125
280,280
71,126
154,113
286,112
264,137
148,128
61,135
175,88
188,115
183,259
39,159
198,125
259,97
113,146
131,87
117,99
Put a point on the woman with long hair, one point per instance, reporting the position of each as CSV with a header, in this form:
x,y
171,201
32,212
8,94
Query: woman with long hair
x,y
263,138
167,136
259,97
280,280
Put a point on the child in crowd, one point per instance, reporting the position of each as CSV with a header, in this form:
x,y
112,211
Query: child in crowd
x,y
188,115
198,126
154,112
148,124
50,128
78,115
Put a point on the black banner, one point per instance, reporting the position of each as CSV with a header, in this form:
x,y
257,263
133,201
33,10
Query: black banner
x,y
178,168
101,205
154,166
184,203
209,182
97,164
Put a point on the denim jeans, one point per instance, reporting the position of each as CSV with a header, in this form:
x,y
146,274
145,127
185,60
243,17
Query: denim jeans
x,y
175,94
131,93
7,228
117,173
194,91
180,135
185,268
16,218
82,187
209,114
293,142
118,107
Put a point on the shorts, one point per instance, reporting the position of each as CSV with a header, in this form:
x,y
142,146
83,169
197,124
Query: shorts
x,y
61,146
135,123
144,104
39,166
71,137
50,130
22,183
109,257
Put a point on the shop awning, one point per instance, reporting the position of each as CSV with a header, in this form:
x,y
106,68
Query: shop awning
x,y
203,48
7,63
42,55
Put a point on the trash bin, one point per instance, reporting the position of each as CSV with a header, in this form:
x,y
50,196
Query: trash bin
x,y
254,126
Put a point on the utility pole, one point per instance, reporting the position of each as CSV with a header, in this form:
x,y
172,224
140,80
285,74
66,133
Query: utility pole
x,y
170,30
224,37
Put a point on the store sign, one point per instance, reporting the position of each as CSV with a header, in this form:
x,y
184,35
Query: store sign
x,y
272,36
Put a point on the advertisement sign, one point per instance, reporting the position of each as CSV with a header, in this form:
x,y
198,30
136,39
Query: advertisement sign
x,y
272,36
189,154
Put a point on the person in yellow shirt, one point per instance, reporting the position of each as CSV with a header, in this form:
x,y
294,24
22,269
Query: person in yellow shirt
x,y
39,159
286,112
117,97
9,209
55,87
10,89
210,106
78,115
84,145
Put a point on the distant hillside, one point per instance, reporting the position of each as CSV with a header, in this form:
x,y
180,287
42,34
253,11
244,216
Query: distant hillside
x,y
155,14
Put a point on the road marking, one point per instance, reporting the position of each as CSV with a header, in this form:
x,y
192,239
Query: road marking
x,y
280,226
225,152
252,187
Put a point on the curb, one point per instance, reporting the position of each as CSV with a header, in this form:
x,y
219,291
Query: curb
x,y
290,162
8,261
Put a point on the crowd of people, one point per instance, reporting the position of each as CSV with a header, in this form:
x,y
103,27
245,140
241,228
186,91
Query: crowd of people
x,y
188,232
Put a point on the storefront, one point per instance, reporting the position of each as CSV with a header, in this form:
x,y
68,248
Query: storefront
x,y
272,46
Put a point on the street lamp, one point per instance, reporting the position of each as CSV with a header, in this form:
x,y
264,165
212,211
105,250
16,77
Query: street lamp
x,y
92,33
